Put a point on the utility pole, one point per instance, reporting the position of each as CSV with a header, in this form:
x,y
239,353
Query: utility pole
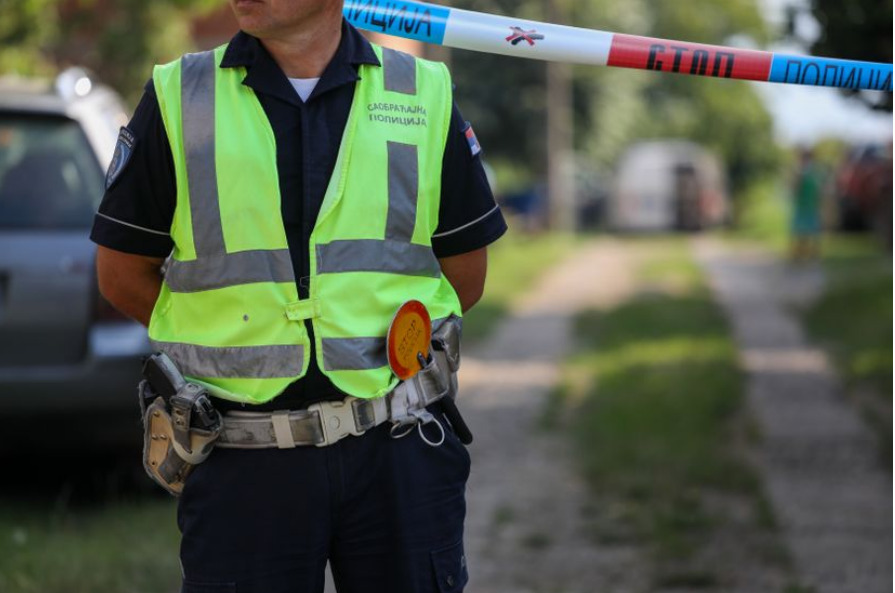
x,y
560,148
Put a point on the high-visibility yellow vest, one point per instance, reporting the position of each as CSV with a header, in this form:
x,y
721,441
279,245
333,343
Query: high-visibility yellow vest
x,y
229,314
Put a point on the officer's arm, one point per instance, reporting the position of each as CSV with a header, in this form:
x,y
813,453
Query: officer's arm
x,y
466,273
131,283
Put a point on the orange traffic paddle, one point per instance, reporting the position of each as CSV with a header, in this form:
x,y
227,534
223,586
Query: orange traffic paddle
x,y
408,340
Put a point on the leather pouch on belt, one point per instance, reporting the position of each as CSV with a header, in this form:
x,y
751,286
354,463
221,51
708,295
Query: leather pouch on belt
x,y
446,352
163,460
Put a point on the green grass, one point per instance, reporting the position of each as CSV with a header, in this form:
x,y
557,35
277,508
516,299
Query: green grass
x,y
853,319
133,547
536,541
669,266
515,263
762,214
655,429
854,315
127,548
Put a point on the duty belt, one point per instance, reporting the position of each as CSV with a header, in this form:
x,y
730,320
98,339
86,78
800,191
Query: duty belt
x,y
325,423
181,426
321,424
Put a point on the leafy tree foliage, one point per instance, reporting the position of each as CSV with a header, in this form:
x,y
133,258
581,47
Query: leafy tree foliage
x,y
504,97
26,27
613,108
120,40
856,30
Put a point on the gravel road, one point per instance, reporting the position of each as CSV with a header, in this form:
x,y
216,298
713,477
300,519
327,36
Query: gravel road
x,y
818,458
525,526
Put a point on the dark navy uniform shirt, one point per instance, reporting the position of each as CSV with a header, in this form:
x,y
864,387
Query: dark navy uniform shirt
x,y
138,207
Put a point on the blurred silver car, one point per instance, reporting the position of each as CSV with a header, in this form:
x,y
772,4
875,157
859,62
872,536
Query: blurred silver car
x,y
68,360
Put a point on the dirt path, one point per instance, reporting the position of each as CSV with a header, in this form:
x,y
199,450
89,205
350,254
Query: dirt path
x,y
525,530
818,459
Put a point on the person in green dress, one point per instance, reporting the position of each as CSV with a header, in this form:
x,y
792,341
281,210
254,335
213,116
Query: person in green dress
x,y
806,208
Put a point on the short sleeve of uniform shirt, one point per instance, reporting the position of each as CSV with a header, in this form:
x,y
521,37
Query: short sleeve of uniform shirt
x,y
138,206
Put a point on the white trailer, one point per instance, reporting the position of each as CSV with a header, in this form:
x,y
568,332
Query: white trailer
x,y
668,185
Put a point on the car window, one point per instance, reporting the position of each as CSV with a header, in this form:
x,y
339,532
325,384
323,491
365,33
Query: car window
x,y
49,175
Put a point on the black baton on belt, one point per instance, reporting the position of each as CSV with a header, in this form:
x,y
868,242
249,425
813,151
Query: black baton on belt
x,y
449,407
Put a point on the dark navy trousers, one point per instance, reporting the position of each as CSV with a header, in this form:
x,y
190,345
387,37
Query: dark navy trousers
x,y
386,513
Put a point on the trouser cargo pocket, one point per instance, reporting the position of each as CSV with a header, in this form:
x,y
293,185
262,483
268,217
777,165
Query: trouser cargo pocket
x,y
449,567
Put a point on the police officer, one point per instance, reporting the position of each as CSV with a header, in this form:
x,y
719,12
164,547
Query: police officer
x,y
302,183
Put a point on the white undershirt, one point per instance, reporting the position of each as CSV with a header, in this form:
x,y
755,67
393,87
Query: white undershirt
x,y
304,86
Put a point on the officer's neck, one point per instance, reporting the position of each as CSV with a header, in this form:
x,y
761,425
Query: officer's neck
x,y
305,53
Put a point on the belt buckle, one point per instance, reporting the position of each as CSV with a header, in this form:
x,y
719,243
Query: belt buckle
x,y
337,420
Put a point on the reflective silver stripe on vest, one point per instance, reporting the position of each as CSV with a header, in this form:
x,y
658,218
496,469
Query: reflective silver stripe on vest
x,y
353,354
213,267
197,110
403,191
400,71
234,362
221,271
371,255
359,354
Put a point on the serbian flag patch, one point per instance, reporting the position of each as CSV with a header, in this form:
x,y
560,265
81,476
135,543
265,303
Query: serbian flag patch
x,y
474,146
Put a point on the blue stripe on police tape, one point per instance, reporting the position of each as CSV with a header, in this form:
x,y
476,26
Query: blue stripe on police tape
x,y
425,23
845,74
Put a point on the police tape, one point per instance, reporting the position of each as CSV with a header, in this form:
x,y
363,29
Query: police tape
x,y
464,29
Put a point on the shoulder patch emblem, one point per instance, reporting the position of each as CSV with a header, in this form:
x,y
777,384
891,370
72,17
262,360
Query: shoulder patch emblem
x,y
123,151
474,147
